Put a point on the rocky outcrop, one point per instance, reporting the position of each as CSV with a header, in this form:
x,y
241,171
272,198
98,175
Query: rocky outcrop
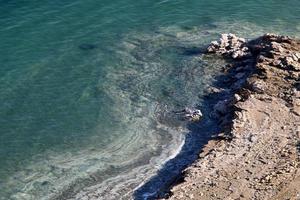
x,y
260,114
230,45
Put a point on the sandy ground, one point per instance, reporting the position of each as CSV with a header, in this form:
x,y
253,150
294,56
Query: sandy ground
x,y
257,155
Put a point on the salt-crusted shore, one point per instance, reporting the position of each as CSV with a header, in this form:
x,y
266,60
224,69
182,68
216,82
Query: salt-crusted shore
x,y
256,156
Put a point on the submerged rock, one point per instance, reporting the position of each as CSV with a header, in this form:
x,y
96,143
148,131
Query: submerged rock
x,y
221,107
87,46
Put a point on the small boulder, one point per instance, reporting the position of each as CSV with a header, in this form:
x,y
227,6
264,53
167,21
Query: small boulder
x,y
190,114
258,86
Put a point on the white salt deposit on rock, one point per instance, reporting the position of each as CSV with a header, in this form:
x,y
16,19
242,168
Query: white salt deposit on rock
x,y
231,45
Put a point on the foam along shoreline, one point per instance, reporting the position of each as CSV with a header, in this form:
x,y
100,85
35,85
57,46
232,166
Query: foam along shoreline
x,y
256,153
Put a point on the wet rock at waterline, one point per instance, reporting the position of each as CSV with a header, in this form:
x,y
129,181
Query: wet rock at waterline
x,y
190,114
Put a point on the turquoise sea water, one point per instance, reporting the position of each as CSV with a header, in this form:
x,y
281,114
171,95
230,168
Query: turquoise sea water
x,y
85,87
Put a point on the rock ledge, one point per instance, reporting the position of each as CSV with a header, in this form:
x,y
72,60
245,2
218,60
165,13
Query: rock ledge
x,y
256,156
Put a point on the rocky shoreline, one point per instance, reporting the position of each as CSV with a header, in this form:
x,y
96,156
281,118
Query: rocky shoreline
x,y
257,153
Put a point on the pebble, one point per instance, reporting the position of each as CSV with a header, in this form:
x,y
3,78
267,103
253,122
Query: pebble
x,y
276,62
237,97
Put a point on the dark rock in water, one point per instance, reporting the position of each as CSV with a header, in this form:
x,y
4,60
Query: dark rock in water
x,y
44,183
205,32
87,46
192,51
187,28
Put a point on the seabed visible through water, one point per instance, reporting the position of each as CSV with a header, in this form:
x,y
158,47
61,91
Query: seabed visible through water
x,y
86,105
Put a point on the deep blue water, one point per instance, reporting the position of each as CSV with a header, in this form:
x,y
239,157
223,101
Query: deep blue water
x,y
85,86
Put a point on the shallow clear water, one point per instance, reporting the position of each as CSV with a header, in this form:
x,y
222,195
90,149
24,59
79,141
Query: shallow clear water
x,y
85,86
